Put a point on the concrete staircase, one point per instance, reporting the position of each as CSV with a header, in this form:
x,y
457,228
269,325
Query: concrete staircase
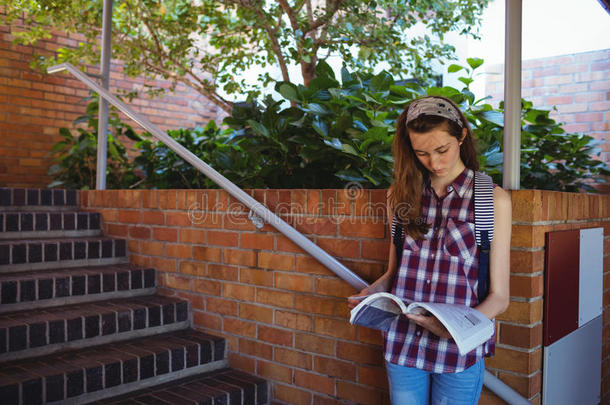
x,y
79,324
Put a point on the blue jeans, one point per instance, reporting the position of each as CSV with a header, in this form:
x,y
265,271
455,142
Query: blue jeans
x,y
412,386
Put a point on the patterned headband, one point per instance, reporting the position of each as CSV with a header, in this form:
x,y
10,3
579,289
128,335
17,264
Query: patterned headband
x,y
433,106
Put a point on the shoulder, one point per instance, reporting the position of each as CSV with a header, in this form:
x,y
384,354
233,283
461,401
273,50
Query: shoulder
x,y
502,200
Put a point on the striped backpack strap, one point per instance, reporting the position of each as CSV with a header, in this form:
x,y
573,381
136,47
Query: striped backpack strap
x,y
398,237
483,227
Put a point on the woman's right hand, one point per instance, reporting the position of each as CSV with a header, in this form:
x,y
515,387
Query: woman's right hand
x,y
382,284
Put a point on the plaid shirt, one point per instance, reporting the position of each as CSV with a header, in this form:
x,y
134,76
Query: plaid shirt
x,y
442,267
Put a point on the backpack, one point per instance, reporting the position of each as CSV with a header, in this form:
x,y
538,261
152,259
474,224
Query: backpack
x,y
483,229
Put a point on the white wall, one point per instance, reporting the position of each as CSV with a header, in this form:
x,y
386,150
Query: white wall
x,y
550,28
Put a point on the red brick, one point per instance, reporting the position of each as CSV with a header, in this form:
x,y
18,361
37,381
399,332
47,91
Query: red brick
x,y
376,250
357,393
153,217
363,228
275,261
314,344
220,238
221,272
239,327
256,241
240,257
257,277
307,264
283,244
318,305
275,335
273,371
334,287
207,287
221,306
116,230
334,368
315,225
179,251
193,268
256,348
152,248
291,395
314,382
293,320
163,264
177,219
207,321
360,353
176,282
293,282
193,236
274,298
131,217
335,328
340,247
521,336
238,291
243,363
256,313
373,377
165,234
209,254
527,287
292,358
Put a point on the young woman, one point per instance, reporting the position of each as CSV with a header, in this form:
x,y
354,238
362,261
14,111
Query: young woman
x,y
432,196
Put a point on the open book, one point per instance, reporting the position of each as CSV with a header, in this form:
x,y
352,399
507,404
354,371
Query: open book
x,y
468,327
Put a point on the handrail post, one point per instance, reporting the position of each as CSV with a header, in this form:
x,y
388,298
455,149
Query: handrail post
x,y
512,96
102,124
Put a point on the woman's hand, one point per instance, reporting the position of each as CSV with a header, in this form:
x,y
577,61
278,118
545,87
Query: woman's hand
x,y
382,284
431,323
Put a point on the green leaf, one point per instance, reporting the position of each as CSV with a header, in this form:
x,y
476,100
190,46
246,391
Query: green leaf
x,y
289,91
258,128
323,69
347,148
474,62
454,68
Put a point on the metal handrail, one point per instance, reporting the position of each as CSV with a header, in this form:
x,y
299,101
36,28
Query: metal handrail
x,y
493,383
259,209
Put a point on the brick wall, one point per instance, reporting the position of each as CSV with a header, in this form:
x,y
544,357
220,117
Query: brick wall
x,y
285,315
33,107
577,84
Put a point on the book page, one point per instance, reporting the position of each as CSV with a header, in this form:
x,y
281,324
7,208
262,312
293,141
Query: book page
x,y
377,311
468,327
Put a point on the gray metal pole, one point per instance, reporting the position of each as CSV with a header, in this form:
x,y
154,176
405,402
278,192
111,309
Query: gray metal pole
x,y
102,125
512,96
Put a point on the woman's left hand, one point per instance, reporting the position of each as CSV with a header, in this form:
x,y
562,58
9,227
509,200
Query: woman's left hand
x,y
431,323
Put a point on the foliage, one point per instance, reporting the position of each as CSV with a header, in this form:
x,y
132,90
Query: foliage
x,y
337,131
163,168
206,44
75,156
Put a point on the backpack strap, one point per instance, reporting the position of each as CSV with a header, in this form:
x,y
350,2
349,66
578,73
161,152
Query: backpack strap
x,y
398,238
483,227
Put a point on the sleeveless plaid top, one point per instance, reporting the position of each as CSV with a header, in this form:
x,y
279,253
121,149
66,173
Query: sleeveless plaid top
x,y
442,267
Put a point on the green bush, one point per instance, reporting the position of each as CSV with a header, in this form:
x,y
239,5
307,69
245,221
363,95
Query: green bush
x,y
75,157
334,132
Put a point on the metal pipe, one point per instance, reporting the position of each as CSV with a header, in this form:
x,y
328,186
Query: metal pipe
x,y
259,209
102,123
502,390
512,96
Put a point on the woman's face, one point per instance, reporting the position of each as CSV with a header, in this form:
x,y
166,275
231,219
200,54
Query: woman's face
x,y
438,151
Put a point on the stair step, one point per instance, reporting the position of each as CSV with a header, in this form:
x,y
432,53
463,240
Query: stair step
x,y
225,386
61,286
93,373
48,224
32,254
29,199
26,334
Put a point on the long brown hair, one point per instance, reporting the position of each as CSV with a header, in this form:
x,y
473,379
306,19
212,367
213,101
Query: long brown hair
x,y
405,194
